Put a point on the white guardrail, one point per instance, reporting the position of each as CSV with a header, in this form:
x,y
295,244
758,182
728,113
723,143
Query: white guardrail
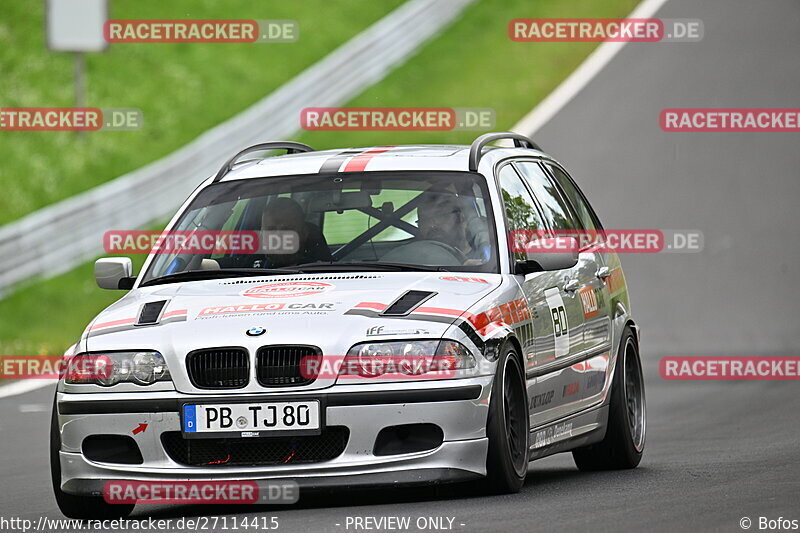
x,y
61,236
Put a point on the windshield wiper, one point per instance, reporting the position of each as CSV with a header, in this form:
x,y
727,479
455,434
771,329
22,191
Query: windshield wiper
x,y
355,266
196,275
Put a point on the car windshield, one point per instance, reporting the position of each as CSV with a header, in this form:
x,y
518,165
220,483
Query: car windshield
x,y
369,221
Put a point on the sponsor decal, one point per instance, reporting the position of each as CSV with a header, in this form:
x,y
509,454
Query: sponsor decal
x,y
287,289
381,331
558,315
589,302
570,389
271,308
540,400
463,278
239,309
548,436
507,314
595,379
615,281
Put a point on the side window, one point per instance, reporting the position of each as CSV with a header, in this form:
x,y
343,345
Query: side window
x,y
554,207
588,219
521,213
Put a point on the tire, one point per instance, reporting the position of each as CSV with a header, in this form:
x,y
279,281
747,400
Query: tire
x,y
623,444
72,506
507,426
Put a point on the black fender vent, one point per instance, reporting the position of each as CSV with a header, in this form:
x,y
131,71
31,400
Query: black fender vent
x,y
407,303
150,313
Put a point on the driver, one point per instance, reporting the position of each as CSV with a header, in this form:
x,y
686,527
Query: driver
x,y
286,215
439,218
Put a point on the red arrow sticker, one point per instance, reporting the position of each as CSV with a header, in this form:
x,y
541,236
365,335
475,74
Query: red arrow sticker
x,y
139,429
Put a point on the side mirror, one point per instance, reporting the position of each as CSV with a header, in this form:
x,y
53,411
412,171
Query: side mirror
x,y
549,253
114,273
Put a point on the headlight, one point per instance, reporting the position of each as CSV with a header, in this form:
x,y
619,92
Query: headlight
x,y
410,358
107,369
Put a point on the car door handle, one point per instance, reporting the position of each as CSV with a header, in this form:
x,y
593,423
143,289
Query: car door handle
x,y
572,285
603,272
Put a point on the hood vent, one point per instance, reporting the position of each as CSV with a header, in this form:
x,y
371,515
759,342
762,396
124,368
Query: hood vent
x,y
150,313
407,303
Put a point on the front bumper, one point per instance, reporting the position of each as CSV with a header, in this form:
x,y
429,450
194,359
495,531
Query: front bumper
x,y
458,407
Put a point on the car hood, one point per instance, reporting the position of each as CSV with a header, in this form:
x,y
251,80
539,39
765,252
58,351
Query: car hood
x,y
330,311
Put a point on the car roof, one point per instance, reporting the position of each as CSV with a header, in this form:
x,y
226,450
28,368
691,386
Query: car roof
x,y
372,159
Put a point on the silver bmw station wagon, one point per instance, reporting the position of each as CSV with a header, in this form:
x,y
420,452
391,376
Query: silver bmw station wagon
x,y
411,315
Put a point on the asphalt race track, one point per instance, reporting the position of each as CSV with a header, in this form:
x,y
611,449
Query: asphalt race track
x,y
716,451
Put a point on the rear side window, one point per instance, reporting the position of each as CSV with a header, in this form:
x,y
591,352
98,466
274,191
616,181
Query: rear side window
x,y
588,220
521,212
554,206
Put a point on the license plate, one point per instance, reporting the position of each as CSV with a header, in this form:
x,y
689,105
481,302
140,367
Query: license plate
x,y
251,419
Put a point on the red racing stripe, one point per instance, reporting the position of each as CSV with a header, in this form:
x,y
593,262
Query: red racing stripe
x,y
371,305
506,314
113,323
359,162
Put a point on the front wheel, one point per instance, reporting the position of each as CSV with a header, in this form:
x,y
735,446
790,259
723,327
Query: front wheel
x,y
623,444
72,506
507,425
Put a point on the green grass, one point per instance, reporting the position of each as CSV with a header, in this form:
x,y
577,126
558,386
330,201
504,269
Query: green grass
x,y
473,64
182,89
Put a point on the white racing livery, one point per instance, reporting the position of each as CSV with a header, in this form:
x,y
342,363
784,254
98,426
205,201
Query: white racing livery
x,y
414,326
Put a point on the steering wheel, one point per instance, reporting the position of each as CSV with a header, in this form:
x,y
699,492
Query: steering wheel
x,y
461,258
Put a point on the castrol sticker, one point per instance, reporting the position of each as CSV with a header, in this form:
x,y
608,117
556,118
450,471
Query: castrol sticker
x,y
287,289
